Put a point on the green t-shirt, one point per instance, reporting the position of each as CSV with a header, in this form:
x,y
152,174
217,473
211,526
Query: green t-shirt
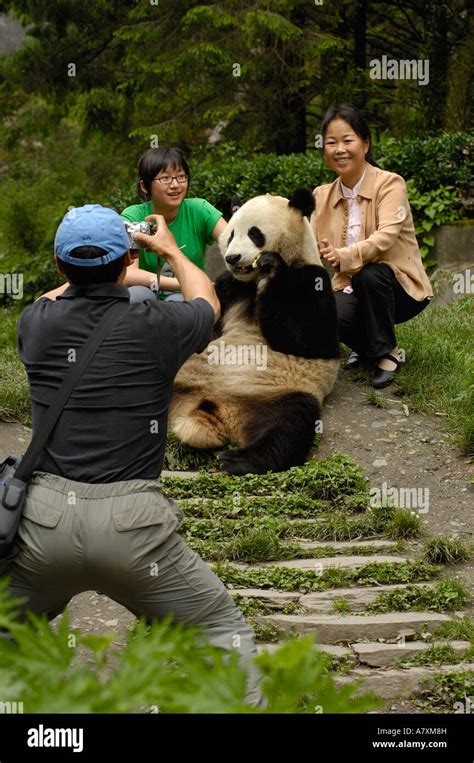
x,y
191,228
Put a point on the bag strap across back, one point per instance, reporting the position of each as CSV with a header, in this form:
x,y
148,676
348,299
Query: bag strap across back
x,y
73,374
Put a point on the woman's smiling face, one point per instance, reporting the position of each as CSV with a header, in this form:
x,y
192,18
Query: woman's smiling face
x,y
168,197
344,151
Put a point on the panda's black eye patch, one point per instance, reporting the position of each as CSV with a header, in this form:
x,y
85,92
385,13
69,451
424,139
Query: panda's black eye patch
x,y
256,236
230,238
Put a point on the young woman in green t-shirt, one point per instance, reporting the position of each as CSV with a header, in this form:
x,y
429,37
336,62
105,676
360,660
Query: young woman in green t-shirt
x,y
163,182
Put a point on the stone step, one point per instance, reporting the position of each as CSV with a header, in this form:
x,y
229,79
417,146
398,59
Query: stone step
x,y
378,655
341,544
319,564
168,473
333,649
357,598
331,629
398,683
272,598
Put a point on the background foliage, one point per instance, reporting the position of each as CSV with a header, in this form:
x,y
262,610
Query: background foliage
x,y
240,86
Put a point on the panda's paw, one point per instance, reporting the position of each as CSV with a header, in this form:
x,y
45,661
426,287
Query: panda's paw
x,y
270,263
234,462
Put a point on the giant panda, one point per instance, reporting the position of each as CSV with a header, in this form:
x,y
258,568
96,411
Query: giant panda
x,y
276,301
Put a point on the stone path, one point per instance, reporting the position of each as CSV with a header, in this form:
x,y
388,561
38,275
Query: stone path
x,y
392,447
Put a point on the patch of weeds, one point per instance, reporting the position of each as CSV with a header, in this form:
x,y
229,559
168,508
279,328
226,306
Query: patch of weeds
x,y
290,608
267,632
376,399
436,654
239,506
459,630
181,457
450,688
444,550
389,572
249,605
354,504
340,604
340,665
404,524
447,595
306,581
327,479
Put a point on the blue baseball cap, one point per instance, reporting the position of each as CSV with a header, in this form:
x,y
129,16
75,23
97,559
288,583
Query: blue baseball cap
x,y
91,225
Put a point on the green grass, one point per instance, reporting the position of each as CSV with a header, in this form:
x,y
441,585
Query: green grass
x,y
404,524
438,376
340,604
436,654
450,688
261,545
238,507
376,399
444,550
14,391
447,595
459,630
305,581
329,479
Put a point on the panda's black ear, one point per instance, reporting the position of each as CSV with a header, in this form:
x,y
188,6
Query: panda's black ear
x,y
235,203
303,200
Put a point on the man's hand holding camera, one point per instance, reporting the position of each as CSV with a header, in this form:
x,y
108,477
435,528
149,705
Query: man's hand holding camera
x,y
162,242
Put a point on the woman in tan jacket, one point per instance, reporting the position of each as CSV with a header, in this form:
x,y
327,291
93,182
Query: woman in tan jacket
x,y
364,228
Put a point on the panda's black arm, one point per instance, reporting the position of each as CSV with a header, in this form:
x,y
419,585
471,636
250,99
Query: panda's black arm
x,y
230,290
297,312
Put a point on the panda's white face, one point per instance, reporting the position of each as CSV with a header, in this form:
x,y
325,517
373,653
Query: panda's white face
x,y
266,224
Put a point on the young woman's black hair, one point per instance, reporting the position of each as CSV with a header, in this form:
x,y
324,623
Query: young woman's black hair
x,y
353,117
153,161
83,276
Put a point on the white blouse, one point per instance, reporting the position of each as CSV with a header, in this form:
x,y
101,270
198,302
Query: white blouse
x,y
353,226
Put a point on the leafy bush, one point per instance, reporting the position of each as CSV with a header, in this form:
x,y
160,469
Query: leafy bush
x,y
163,668
430,210
446,159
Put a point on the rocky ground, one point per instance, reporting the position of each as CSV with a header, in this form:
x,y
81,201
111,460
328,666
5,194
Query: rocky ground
x,y
396,448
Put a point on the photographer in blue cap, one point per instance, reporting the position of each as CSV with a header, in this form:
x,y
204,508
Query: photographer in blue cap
x,y
94,516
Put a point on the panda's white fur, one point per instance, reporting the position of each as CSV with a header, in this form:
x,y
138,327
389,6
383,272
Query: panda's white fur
x,y
262,410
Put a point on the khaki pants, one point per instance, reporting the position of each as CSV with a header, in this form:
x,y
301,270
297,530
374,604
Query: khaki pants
x,y
120,539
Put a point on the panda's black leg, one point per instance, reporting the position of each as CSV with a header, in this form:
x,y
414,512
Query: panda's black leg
x,y
279,434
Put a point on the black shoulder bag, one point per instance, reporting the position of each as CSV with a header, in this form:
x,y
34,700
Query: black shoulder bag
x,y
16,470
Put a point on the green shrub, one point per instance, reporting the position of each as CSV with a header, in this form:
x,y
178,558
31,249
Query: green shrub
x,y
163,668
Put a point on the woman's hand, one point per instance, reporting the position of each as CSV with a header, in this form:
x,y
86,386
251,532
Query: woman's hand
x,y
328,253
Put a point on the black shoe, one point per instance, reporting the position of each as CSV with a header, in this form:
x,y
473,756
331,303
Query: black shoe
x,y
353,361
382,378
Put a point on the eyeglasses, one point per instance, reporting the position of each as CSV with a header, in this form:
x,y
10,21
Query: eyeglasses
x,y
168,179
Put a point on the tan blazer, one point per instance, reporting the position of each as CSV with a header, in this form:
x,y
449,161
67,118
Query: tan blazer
x,y
387,232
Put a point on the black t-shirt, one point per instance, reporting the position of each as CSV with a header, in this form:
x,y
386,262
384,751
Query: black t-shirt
x,y
114,424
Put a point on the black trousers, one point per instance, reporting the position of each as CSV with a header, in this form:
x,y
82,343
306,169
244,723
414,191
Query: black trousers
x,y
366,318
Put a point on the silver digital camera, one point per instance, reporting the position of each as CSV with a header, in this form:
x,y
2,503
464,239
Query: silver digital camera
x,y
133,228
